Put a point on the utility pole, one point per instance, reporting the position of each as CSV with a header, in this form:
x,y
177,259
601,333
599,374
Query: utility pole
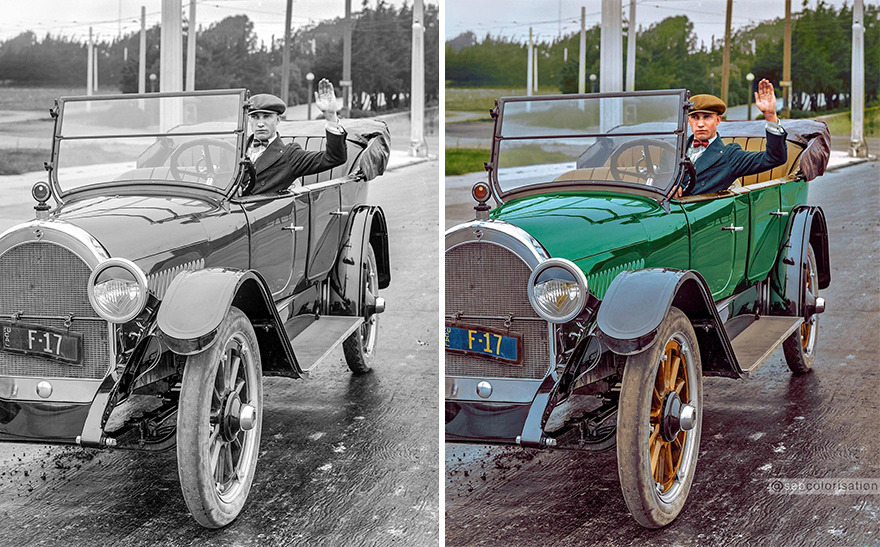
x,y
171,48
285,55
142,54
417,146
631,48
611,48
90,65
535,80
786,63
191,48
858,148
95,70
346,62
582,54
725,67
530,76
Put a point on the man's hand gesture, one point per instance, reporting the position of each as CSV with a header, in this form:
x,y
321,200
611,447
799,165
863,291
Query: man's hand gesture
x,y
765,100
325,99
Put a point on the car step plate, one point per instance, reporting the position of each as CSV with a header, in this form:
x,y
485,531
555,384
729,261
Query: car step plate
x,y
758,341
313,344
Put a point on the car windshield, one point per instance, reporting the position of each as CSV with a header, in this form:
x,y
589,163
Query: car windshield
x,y
190,139
629,139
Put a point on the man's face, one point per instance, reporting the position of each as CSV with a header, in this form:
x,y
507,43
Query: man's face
x,y
704,125
263,125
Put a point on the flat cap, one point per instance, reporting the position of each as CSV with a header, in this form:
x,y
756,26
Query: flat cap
x,y
707,103
265,102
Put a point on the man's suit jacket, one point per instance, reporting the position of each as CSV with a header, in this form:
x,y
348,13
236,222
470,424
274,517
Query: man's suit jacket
x,y
280,164
719,165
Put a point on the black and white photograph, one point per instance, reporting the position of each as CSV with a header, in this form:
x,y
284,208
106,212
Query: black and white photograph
x,y
219,273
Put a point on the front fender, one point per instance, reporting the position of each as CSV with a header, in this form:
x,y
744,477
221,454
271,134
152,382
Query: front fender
x,y
197,301
637,301
366,226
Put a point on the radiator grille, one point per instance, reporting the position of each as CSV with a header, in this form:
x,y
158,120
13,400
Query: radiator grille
x,y
47,279
486,279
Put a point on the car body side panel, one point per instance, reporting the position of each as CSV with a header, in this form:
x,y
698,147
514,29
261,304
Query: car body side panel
x,y
714,248
765,231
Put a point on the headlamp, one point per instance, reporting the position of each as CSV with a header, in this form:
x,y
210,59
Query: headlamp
x,y
118,290
558,290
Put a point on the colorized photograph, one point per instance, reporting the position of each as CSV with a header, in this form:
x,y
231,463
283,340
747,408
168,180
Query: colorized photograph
x,y
219,273
660,258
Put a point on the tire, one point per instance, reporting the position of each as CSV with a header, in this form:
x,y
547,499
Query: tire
x,y
359,348
216,452
654,490
800,347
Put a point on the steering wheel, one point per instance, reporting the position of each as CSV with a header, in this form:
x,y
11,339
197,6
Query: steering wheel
x,y
645,169
205,167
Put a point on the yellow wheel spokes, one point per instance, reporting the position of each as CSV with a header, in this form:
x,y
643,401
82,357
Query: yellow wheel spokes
x,y
666,456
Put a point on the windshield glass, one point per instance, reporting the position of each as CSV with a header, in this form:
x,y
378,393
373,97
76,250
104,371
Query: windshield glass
x,y
628,139
190,140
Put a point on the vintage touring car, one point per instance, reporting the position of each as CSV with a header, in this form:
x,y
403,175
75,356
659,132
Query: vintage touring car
x,y
143,310
583,311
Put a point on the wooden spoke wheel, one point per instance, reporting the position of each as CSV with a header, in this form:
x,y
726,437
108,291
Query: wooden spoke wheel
x,y
800,347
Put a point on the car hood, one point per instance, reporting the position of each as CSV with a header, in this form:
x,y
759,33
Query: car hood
x,y
580,226
138,227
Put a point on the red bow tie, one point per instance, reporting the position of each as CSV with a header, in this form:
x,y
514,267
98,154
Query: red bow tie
x,y
698,144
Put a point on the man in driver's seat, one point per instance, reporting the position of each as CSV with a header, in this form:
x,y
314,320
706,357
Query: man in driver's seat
x,y
277,164
718,165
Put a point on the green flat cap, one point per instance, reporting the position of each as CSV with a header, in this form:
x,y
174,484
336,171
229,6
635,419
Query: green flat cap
x,y
707,103
265,102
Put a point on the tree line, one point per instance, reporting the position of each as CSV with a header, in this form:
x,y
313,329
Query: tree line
x,y
230,55
668,56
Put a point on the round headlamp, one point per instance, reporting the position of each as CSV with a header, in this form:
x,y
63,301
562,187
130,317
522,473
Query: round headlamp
x,y
118,290
558,290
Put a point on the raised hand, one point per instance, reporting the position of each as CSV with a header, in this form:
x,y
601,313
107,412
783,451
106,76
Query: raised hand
x,y
325,99
765,100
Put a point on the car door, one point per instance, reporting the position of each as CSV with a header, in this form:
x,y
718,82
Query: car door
x,y
719,240
279,233
766,224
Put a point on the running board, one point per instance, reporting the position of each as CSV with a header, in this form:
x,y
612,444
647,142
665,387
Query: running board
x,y
757,342
316,342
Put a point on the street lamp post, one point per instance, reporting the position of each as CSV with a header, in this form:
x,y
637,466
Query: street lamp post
x,y
712,77
750,77
311,78
592,83
153,82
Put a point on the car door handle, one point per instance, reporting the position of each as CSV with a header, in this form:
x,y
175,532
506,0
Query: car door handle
x,y
293,228
779,213
339,213
732,228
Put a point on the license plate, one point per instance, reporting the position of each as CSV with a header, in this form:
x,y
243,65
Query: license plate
x,y
41,341
501,345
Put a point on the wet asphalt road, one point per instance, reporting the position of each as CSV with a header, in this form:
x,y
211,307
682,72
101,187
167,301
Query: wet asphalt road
x,y
344,460
771,426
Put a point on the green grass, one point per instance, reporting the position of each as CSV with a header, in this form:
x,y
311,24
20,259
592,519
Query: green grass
x,y
41,98
459,99
465,160
841,124
532,154
14,161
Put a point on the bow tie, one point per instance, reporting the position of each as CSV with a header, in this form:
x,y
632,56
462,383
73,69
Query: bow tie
x,y
698,144
259,144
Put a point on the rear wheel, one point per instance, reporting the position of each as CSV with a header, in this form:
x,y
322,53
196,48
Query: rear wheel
x,y
659,422
359,348
219,420
800,347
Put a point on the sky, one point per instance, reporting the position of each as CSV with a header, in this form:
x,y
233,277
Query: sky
x,y
513,18
72,18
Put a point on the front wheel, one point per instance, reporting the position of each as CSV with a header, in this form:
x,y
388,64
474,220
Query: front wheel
x,y
359,348
658,423
219,420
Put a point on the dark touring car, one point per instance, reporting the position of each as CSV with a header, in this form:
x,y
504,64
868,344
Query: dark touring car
x,y
143,310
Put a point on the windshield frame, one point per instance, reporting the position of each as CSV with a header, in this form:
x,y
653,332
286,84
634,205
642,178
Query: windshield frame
x,y
240,134
680,134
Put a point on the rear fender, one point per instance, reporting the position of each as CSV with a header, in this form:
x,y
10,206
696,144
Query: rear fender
x,y
806,226
637,301
197,301
366,226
